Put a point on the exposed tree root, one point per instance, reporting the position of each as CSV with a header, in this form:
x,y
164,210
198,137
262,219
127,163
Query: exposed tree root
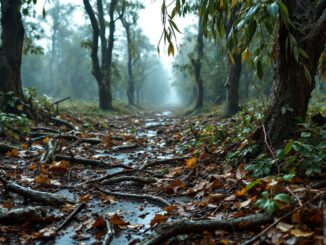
x,y
60,122
136,179
37,196
164,161
168,230
70,217
150,198
123,147
91,162
21,215
4,148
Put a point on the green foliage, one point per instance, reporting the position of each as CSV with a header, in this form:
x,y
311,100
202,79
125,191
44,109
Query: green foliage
x,y
272,204
13,125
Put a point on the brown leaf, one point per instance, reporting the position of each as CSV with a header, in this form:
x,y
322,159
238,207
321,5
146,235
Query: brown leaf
x,y
191,162
300,233
117,220
42,179
241,193
67,208
8,204
158,218
171,209
61,166
215,197
85,198
13,153
99,222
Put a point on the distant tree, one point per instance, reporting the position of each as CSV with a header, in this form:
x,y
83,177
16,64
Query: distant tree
x,y
129,19
197,64
102,70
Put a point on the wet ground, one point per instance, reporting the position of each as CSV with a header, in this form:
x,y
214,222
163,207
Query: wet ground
x,y
148,137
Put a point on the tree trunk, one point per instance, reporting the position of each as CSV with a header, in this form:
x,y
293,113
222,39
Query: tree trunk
x,y
103,97
197,65
292,88
234,71
232,85
11,47
131,86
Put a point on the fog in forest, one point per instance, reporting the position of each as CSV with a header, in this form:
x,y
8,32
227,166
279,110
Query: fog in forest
x,y
58,62
59,65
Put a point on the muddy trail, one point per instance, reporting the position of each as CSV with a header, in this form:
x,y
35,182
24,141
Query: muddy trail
x,y
114,180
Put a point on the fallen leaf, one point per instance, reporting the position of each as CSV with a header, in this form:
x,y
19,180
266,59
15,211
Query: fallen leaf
x,y
241,193
45,140
32,166
67,208
8,204
42,179
107,199
85,198
61,166
24,146
191,162
215,197
300,233
158,218
99,222
241,172
117,220
243,144
171,209
13,153
284,227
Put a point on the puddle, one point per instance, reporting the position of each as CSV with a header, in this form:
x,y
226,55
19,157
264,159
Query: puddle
x,y
136,213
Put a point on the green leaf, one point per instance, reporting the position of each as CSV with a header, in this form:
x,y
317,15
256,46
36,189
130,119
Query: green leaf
x,y
307,74
273,9
253,184
260,71
283,198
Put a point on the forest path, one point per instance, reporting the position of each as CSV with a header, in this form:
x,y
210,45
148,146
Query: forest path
x,y
105,179
135,152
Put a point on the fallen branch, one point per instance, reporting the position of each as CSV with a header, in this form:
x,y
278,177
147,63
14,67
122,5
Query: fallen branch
x,y
150,198
21,215
123,147
61,122
34,195
168,230
45,129
91,162
163,161
77,210
109,233
136,179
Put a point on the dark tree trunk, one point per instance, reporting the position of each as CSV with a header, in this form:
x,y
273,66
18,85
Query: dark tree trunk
x,y
131,86
197,65
234,71
232,85
11,47
102,71
292,88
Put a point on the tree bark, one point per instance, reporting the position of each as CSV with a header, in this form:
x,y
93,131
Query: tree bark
x,y
292,88
102,71
131,85
232,85
197,65
11,47
234,72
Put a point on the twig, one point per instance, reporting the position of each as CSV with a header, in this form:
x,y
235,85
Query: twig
x,y
109,233
77,210
163,161
129,178
250,241
149,198
295,196
266,142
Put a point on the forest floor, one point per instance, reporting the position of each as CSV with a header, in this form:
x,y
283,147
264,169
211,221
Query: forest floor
x,y
119,179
